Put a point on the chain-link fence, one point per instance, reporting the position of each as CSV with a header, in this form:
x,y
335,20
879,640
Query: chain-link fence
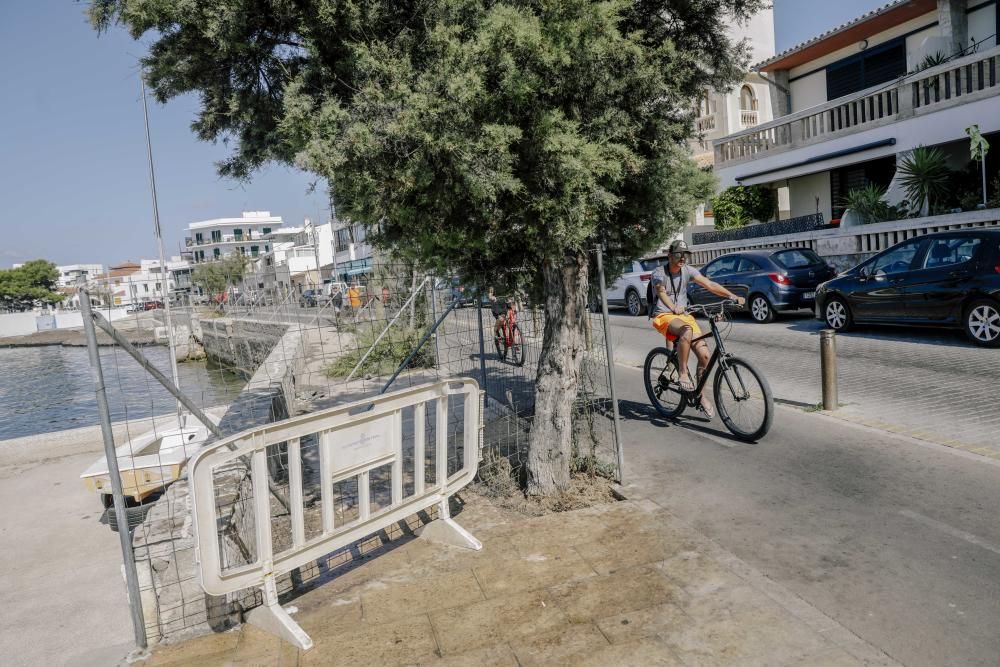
x,y
299,348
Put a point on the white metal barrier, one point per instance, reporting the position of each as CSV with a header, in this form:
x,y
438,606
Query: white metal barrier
x,y
352,441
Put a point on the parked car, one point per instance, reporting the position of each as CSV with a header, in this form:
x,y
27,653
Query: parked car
x,y
771,282
629,291
949,279
309,298
465,295
152,305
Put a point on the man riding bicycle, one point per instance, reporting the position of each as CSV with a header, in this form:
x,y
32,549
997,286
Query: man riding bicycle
x,y
499,309
669,285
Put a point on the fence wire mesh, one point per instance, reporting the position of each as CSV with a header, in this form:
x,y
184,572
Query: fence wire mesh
x,y
251,355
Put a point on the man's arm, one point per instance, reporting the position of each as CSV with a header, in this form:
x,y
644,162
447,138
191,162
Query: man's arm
x,y
661,294
717,289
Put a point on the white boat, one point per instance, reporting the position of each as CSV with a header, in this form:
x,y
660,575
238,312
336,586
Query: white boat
x,y
150,462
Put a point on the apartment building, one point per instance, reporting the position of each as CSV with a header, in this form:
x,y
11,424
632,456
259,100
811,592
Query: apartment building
x,y
850,103
210,240
70,274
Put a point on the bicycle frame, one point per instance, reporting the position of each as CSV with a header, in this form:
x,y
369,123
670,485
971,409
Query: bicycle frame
x,y
508,326
719,355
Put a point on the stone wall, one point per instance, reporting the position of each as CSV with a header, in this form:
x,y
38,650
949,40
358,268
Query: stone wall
x,y
241,345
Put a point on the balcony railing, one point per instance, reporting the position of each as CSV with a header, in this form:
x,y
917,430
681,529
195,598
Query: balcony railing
x,y
705,123
968,79
748,117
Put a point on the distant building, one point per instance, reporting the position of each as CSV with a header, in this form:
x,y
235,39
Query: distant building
x,y
70,274
210,240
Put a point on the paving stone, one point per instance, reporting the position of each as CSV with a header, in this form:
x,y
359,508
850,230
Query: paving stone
x,y
498,619
616,593
646,653
430,594
542,569
641,623
402,642
566,646
494,656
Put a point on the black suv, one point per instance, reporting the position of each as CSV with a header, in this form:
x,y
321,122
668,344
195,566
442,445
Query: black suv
x,y
949,279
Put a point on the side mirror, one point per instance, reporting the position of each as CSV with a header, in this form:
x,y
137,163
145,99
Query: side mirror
x,y
863,273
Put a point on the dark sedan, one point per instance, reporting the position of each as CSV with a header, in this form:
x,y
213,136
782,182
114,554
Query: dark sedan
x,y
949,279
775,281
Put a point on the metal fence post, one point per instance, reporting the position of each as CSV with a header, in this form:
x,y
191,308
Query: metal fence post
x,y
828,358
482,344
611,365
124,536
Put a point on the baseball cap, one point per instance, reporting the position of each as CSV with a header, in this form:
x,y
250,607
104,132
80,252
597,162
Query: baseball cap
x,y
679,246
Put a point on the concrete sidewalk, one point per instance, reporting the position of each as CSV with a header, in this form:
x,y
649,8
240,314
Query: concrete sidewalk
x,y
623,583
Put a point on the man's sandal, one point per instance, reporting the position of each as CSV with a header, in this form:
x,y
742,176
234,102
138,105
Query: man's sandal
x,y
706,407
685,384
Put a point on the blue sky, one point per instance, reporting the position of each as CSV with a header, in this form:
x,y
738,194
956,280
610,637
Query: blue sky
x,y
73,178
796,21
74,185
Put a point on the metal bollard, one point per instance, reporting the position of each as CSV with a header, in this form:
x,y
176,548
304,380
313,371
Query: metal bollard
x,y
828,356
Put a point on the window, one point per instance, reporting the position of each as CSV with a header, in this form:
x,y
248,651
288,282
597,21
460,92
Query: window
x,y
652,264
797,258
159,286
879,172
747,265
748,101
344,238
266,230
216,253
950,251
216,236
871,67
238,234
198,238
721,267
267,248
359,234
897,260
254,250
145,287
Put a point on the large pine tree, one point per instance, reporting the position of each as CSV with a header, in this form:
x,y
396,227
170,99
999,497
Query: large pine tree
x,y
501,139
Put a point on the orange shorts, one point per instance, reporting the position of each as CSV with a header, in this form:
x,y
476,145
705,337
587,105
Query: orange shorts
x,y
662,322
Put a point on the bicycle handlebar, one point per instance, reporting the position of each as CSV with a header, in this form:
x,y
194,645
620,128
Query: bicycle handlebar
x,y
712,309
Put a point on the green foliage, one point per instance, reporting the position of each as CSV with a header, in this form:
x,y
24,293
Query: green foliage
x,y
925,176
390,352
931,60
475,136
215,277
30,284
869,203
738,205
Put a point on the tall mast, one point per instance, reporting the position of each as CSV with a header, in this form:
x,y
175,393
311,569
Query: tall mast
x,y
165,279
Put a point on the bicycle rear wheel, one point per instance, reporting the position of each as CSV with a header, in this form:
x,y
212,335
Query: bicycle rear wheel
x,y
660,375
516,346
743,399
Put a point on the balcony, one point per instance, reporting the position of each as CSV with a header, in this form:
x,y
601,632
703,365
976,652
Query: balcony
x,y
962,81
705,124
748,118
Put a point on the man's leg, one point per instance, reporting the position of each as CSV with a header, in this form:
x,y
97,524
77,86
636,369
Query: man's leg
x,y
701,350
683,332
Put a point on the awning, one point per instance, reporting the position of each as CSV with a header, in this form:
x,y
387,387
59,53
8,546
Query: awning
x,y
355,272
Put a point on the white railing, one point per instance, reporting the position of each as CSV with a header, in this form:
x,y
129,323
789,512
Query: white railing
x,y
705,123
748,117
357,445
963,80
860,240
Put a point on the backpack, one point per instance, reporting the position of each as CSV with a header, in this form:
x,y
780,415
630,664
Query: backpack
x,y
650,306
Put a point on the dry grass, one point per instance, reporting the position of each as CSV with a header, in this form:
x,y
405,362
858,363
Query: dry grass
x,y
584,491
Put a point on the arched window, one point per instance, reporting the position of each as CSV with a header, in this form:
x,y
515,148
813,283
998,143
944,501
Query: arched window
x,y
748,101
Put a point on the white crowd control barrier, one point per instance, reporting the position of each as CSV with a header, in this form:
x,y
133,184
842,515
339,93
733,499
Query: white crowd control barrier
x,y
397,454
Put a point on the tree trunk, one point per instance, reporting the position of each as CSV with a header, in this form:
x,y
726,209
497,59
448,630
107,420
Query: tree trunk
x,y
550,441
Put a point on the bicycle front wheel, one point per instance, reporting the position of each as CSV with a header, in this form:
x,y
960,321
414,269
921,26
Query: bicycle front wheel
x,y
516,346
661,378
500,346
744,399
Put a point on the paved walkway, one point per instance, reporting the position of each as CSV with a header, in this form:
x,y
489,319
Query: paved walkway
x,y
618,584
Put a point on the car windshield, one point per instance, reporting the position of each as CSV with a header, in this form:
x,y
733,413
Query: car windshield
x,y
796,258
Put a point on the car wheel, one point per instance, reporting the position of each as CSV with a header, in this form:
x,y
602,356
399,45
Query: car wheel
x,y
633,303
837,314
760,309
982,322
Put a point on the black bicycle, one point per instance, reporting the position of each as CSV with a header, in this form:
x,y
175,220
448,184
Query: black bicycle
x,y
742,395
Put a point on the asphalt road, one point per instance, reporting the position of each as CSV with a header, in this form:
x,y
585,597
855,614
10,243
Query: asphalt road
x,y
895,538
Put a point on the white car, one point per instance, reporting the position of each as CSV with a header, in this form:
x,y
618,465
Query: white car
x,y
630,290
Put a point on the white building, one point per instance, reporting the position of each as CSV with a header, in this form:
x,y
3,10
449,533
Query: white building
x,y
850,102
214,239
70,274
